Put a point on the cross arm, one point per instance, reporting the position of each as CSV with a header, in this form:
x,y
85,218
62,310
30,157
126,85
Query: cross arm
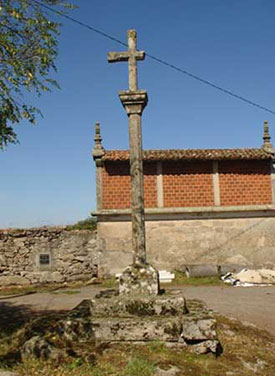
x,y
113,57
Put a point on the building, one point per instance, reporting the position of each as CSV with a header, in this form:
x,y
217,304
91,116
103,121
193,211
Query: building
x,y
201,206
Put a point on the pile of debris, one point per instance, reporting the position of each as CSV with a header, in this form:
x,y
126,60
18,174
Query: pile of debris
x,y
251,277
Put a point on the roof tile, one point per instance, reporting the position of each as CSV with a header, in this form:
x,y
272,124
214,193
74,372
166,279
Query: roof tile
x,y
189,154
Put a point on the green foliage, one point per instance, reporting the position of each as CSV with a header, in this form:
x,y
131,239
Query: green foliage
x,y
28,49
109,283
86,224
138,366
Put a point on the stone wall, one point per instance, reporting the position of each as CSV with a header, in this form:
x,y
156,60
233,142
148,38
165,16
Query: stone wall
x,y
47,254
173,244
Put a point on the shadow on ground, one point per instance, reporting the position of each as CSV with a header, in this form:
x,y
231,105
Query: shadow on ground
x,y
16,317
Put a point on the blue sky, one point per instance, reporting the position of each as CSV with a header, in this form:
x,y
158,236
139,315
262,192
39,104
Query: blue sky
x,y
49,178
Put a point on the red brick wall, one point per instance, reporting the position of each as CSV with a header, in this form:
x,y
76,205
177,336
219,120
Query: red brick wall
x,y
187,184
245,182
117,185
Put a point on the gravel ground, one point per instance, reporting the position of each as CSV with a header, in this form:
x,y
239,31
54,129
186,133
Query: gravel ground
x,y
255,305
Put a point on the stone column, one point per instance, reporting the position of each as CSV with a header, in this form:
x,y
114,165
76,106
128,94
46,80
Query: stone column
x,y
134,103
268,147
139,278
98,153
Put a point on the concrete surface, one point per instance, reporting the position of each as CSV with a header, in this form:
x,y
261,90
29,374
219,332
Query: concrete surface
x,y
252,304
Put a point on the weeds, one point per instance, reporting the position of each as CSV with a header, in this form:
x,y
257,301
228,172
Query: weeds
x,y
182,279
139,367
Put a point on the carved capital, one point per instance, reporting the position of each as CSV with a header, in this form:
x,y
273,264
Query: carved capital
x,y
134,102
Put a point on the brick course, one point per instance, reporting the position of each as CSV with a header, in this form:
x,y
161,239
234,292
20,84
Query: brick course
x,y
190,183
117,185
245,183
187,184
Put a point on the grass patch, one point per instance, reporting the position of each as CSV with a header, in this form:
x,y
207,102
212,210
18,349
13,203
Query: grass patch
x,y
49,287
6,291
139,367
109,283
182,279
14,290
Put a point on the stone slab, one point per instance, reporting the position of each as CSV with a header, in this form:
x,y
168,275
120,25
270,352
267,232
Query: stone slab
x,y
142,306
165,276
167,329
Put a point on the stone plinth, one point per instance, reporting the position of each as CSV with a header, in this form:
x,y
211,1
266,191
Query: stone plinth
x,y
112,318
119,306
140,319
139,280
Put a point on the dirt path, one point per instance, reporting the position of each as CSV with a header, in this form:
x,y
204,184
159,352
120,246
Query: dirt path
x,y
255,305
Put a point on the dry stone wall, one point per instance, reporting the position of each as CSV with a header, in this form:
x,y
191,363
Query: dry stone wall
x,y
47,255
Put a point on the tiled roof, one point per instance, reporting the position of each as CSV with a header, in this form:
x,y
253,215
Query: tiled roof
x,y
188,154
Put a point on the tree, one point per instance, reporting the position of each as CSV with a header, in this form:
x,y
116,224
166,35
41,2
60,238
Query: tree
x,y
28,49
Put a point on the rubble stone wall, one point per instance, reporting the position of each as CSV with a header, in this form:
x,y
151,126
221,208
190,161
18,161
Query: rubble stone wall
x,y
46,255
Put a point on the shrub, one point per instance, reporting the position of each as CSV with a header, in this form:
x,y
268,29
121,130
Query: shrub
x,y
86,224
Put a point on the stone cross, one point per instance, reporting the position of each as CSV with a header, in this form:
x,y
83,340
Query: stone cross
x,y
134,101
139,278
132,55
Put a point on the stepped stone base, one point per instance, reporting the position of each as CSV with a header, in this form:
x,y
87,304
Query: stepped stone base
x,y
143,319
112,318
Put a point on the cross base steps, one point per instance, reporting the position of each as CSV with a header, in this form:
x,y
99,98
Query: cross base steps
x,y
139,319
113,318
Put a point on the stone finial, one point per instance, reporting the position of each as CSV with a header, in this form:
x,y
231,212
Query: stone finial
x,y
98,150
267,145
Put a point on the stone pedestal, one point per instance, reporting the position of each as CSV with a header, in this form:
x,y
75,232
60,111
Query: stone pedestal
x,y
140,279
134,104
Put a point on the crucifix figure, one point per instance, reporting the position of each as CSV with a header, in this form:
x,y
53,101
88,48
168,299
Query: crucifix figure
x,y
139,277
132,55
